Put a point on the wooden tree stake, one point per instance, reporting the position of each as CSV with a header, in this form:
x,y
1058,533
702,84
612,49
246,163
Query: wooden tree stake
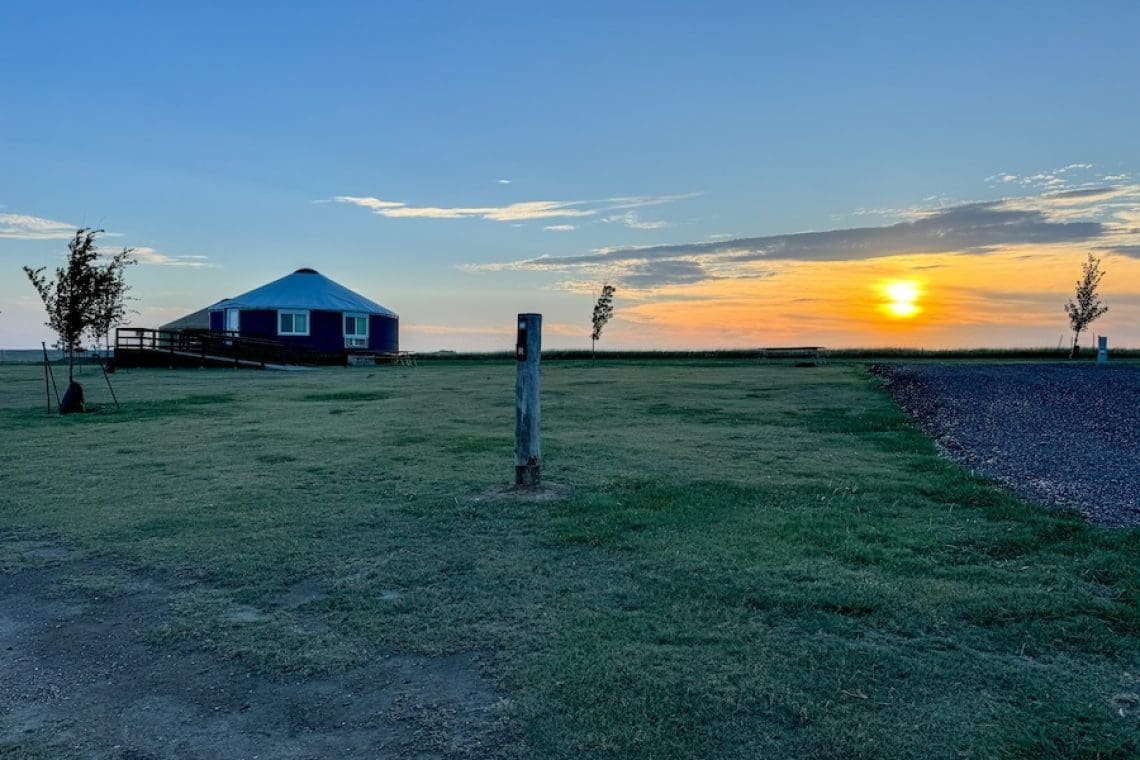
x,y
47,365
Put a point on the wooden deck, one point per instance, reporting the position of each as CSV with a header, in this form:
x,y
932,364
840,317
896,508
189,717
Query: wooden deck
x,y
144,347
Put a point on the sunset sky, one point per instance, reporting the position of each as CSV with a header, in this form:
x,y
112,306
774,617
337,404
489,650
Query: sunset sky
x,y
746,174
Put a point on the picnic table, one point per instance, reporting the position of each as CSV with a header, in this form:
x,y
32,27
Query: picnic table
x,y
398,358
817,354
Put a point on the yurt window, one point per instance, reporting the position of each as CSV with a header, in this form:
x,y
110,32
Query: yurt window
x,y
355,330
356,326
292,323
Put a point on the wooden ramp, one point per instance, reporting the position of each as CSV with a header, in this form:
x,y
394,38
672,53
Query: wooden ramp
x,y
144,347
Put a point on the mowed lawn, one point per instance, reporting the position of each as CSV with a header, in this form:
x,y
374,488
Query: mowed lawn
x,y
753,560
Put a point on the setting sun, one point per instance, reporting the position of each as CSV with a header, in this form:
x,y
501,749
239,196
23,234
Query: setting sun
x,y
902,296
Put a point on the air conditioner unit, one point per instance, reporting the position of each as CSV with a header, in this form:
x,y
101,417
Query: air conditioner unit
x,y
356,342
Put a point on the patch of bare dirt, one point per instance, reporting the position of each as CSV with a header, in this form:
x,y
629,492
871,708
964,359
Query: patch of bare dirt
x,y
79,680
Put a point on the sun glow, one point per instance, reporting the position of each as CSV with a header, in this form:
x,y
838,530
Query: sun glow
x,y
961,299
902,297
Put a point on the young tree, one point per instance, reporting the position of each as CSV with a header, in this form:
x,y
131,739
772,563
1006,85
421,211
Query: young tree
x,y
603,310
1088,306
110,307
84,297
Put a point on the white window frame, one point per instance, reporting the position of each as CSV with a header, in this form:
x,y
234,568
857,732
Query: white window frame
x,y
355,316
354,340
231,321
295,313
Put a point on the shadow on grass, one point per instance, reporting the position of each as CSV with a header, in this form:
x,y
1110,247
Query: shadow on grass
x,y
211,404
346,396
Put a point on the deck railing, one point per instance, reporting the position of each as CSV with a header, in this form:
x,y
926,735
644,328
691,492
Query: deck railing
x,y
210,345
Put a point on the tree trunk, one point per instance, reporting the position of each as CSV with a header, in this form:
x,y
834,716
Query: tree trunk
x,y
70,364
1075,352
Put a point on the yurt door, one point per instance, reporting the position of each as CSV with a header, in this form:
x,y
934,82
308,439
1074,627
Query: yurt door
x,y
233,321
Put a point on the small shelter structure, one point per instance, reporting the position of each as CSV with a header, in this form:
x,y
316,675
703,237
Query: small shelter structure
x,y
308,310
198,320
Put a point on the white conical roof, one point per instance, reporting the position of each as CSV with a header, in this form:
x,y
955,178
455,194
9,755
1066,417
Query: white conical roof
x,y
304,289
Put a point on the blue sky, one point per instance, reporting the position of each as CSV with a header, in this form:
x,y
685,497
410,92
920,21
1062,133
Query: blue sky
x,y
424,154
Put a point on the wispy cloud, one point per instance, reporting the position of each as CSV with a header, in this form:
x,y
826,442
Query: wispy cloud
x,y
27,227
632,220
527,210
561,227
1089,194
1052,179
372,204
150,256
909,212
1099,217
515,212
640,201
504,181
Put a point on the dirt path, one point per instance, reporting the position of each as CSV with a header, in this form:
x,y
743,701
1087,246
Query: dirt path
x,y
79,680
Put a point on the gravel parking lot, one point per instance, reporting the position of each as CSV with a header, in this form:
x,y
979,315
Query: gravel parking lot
x,y
1065,435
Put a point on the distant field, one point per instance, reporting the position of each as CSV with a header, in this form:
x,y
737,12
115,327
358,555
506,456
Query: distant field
x,y
28,356
754,560
858,354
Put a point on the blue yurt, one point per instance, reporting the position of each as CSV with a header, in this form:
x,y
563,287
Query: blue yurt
x,y
308,309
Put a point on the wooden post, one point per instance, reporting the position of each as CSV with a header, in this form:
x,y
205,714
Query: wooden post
x,y
528,407
1102,349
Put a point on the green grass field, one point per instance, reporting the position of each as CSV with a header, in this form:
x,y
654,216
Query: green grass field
x,y
752,561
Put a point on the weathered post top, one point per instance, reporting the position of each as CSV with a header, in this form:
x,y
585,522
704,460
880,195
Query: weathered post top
x,y
528,407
